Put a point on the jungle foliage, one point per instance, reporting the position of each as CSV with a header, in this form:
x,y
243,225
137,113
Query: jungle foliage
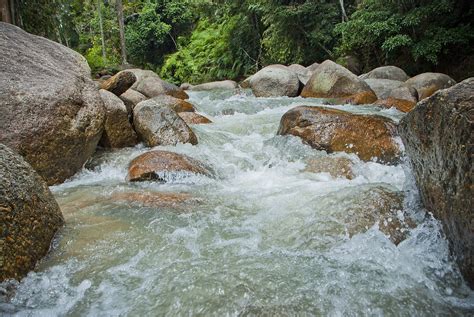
x,y
202,40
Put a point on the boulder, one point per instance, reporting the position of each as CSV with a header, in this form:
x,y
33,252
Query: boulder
x,y
175,201
29,216
386,72
383,87
176,104
119,83
185,86
311,68
151,85
334,166
368,136
51,111
275,81
399,104
428,83
331,80
302,72
439,136
245,83
131,98
193,118
404,92
215,85
118,131
155,165
156,124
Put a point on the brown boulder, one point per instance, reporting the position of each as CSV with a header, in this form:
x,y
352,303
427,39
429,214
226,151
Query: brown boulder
x,y
331,80
156,124
404,92
151,85
400,104
51,111
154,165
333,130
29,216
428,83
119,83
131,98
118,131
439,136
275,81
176,104
193,118
335,166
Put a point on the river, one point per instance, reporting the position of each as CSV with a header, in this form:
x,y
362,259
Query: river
x,y
260,237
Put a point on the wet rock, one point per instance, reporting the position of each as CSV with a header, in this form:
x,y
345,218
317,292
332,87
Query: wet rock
x,y
438,137
215,85
331,80
368,136
400,104
177,201
51,111
302,72
119,83
275,81
156,124
428,83
335,166
131,98
29,216
383,87
154,165
193,118
118,131
386,72
176,104
151,85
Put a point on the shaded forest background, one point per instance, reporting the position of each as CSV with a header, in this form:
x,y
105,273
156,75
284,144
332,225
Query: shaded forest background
x,y
203,40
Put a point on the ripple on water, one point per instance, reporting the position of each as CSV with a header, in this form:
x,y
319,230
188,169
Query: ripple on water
x,y
262,236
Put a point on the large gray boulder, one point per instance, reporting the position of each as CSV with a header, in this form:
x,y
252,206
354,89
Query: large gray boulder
x,y
215,85
428,83
131,98
331,80
275,81
302,72
383,87
386,72
439,136
151,85
29,216
50,110
118,132
156,124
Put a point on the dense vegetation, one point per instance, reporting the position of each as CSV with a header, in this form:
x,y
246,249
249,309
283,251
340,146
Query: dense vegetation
x,y
202,40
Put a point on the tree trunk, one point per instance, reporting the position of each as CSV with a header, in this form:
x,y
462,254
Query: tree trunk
x,y
343,11
123,49
5,12
101,24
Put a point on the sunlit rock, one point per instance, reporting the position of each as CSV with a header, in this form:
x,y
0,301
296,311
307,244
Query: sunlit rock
x,y
176,104
275,81
386,72
368,136
193,118
154,164
131,98
151,85
215,85
428,83
383,87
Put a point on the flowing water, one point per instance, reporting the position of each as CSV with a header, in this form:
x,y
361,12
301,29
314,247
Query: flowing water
x,y
261,237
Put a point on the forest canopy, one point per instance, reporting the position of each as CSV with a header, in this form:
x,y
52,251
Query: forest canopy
x,y
202,40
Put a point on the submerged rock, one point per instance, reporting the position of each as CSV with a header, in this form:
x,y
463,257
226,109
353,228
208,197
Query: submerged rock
x,y
118,131
151,85
438,137
29,216
156,124
368,136
177,201
428,83
386,72
51,111
193,118
215,85
119,83
275,81
335,166
154,165
331,80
